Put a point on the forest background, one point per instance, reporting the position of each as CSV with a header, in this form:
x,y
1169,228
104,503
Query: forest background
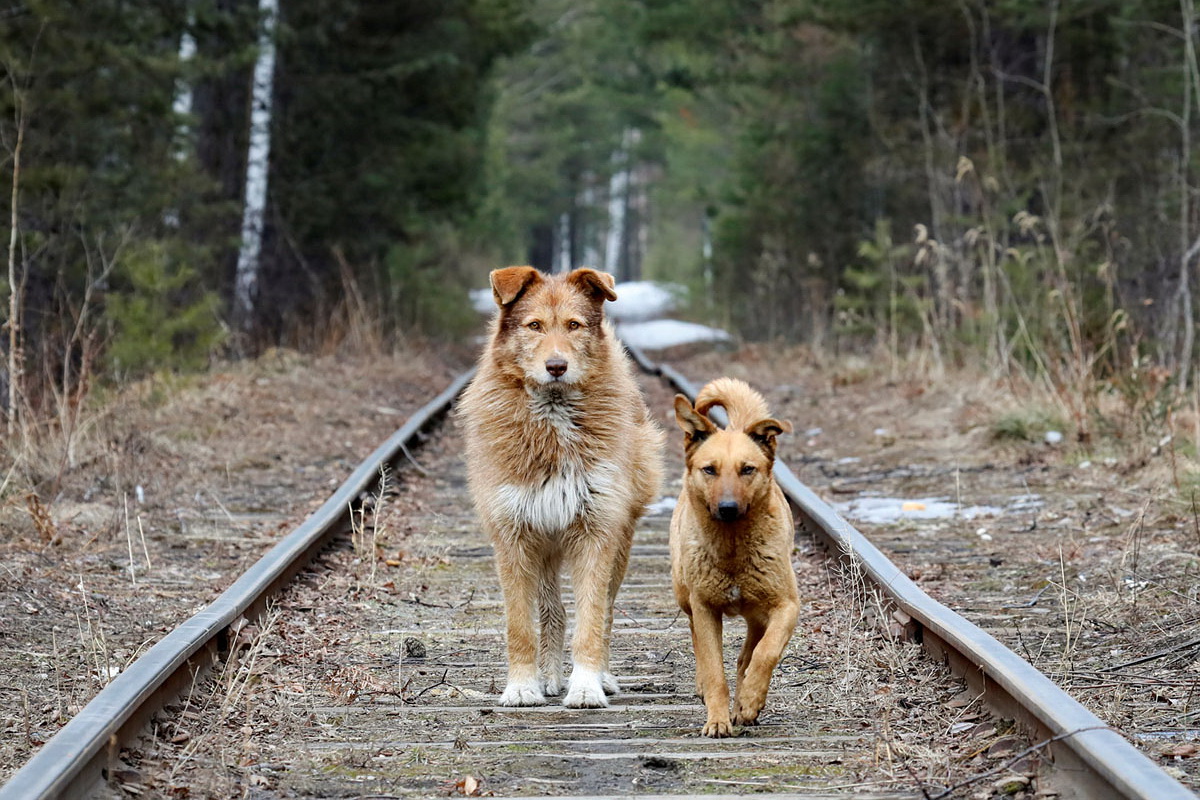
x,y
1004,183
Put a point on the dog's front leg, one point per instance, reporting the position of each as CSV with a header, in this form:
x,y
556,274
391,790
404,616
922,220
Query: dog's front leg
x,y
518,580
591,569
552,625
710,670
752,693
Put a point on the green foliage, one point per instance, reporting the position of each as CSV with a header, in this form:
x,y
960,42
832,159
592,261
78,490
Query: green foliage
x,y
160,316
1025,425
428,284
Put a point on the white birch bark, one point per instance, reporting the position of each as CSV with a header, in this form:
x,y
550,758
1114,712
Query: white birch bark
x,y
590,236
563,244
257,161
182,105
618,195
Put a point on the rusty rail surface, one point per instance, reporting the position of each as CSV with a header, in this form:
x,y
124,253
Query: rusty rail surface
x,y
1091,759
73,762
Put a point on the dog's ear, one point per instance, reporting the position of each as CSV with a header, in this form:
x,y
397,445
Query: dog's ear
x,y
597,285
696,427
764,431
511,282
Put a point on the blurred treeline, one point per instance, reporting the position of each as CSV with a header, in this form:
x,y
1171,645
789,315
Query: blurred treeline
x,y
1000,182
1006,181
130,151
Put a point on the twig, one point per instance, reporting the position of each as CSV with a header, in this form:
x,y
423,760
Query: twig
x,y
413,461
1032,602
1160,654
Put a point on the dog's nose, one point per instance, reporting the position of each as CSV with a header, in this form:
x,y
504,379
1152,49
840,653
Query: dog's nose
x,y
557,367
727,510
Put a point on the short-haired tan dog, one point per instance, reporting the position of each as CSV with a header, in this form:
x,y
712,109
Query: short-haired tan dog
x,y
731,546
562,458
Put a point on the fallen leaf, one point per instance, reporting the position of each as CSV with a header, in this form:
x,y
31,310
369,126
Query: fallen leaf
x,y
1185,750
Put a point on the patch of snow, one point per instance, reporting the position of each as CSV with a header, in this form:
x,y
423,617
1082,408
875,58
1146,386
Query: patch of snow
x,y
482,300
661,507
888,510
643,300
663,333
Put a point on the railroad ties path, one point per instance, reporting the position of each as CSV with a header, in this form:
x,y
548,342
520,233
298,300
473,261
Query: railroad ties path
x,y
378,678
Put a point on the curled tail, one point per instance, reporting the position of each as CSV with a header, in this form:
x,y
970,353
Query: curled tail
x,y
743,405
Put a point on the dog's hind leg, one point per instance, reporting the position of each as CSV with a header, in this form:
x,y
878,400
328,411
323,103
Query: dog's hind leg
x,y
752,692
552,622
518,570
620,564
756,626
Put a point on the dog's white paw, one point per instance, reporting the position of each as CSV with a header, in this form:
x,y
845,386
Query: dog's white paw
x,y
609,682
523,693
552,685
585,690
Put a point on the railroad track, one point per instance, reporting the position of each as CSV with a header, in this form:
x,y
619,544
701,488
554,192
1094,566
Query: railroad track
x,y
413,714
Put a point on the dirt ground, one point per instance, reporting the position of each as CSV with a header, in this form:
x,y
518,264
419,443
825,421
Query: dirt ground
x,y
180,484
1081,559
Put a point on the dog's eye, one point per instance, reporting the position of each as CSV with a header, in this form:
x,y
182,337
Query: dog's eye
x,y
535,326
709,470
574,325
748,469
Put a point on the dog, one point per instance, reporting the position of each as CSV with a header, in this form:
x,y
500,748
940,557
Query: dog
x,y
731,543
562,459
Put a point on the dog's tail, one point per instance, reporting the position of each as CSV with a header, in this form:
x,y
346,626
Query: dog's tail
x,y
743,405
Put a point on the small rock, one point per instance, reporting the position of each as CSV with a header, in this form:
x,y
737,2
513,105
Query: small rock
x,y
1011,784
1053,437
414,648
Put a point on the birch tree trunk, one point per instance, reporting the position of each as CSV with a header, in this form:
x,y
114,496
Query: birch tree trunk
x,y
257,162
182,104
562,246
1184,292
618,196
15,359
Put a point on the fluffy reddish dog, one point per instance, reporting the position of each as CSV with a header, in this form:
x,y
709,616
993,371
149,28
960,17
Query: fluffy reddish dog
x,y
562,458
731,546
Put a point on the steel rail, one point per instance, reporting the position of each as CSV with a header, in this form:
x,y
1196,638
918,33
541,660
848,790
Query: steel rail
x,y
72,762
1090,758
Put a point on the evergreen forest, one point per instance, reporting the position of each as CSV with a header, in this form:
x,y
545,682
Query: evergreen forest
x,y
1011,183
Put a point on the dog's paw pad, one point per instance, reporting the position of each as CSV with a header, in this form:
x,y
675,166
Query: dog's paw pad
x,y
609,682
718,729
523,693
585,690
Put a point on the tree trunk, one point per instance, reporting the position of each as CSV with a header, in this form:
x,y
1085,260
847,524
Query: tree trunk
x,y
257,163
618,197
15,366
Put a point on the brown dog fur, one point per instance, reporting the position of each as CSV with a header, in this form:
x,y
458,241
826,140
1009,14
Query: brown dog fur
x,y
731,545
562,458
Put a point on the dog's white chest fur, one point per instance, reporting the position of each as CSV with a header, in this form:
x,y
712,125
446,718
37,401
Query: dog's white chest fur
x,y
560,499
